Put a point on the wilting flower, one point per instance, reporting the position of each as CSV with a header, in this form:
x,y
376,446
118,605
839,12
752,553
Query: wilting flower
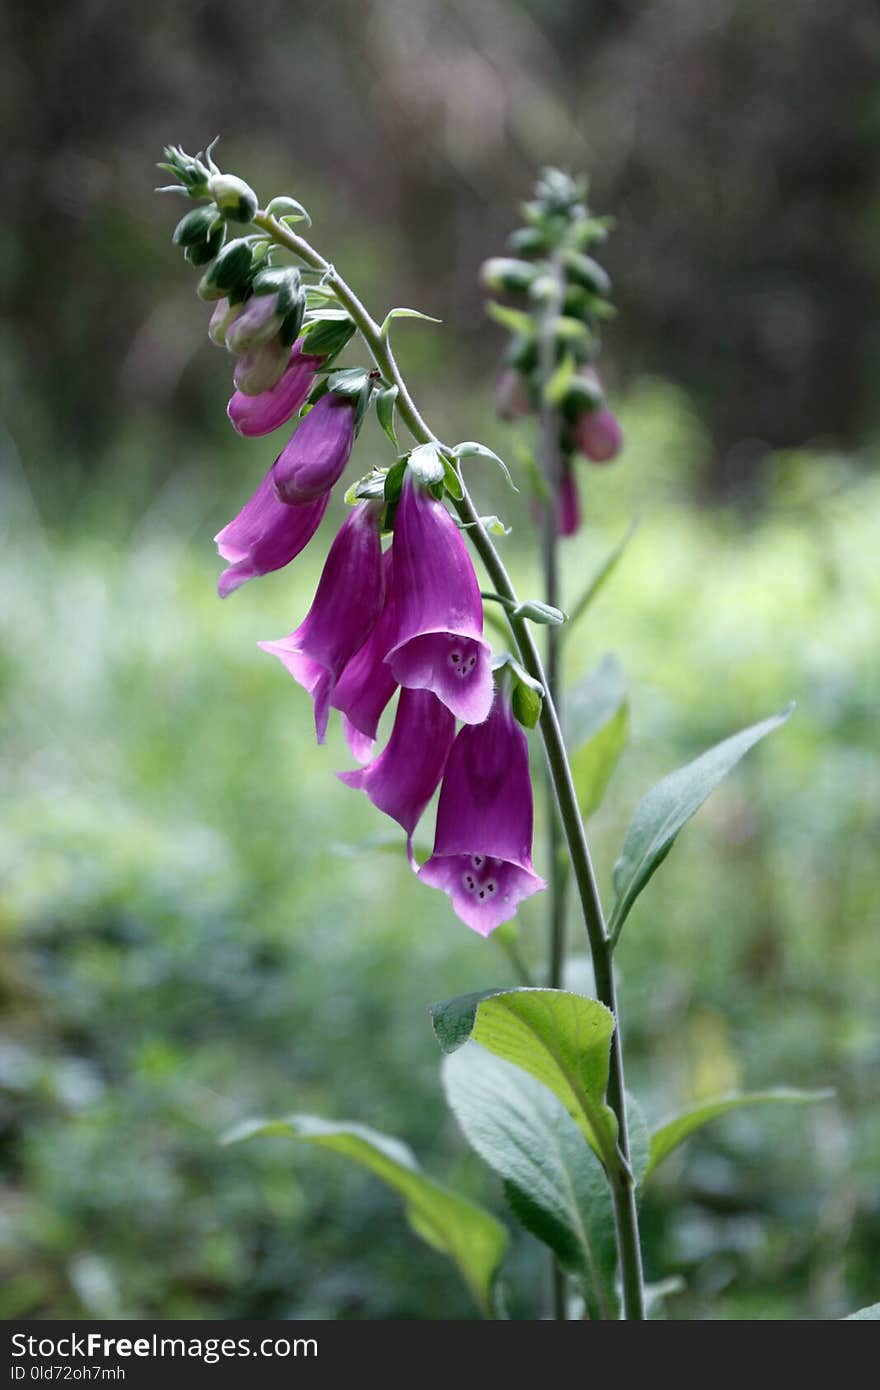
x,y
254,415
260,368
483,844
344,612
598,435
318,450
404,777
266,535
366,685
439,642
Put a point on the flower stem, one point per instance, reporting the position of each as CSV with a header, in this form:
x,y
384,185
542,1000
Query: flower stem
x,y
621,1178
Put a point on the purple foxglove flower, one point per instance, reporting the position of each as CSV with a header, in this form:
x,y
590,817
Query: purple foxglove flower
x,y
318,450
568,504
261,368
254,415
439,642
265,536
483,844
598,435
344,612
366,685
404,777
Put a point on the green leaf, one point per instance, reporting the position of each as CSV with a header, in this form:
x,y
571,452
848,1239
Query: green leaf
x,y
597,714
452,479
661,814
561,1039
404,314
537,612
472,449
553,1180
557,385
426,464
514,320
348,381
869,1314
448,1222
602,575
385,401
681,1127
371,487
288,210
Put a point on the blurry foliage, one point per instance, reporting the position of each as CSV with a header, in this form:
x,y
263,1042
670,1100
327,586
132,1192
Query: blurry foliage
x,y
734,143
185,944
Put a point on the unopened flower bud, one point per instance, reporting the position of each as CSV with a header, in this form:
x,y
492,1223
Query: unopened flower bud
x,y
529,241
598,435
201,252
230,270
194,226
261,369
584,271
505,273
222,318
258,322
236,199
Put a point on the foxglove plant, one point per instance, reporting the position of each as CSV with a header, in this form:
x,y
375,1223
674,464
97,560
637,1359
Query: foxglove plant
x,y
398,607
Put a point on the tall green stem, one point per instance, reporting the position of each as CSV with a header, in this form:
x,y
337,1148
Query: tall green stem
x,y
621,1179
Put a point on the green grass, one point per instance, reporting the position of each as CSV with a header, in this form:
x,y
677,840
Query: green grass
x,y
189,937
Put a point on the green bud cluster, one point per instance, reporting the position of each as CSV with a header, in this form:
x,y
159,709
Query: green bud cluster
x,y
552,270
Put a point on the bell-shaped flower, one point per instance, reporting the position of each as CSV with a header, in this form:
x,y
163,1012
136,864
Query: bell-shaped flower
x,y
266,535
405,775
439,642
258,322
255,415
483,843
344,612
366,685
317,452
598,434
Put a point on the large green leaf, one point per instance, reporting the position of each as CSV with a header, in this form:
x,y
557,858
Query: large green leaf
x,y
681,1127
661,814
597,721
448,1222
561,1039
869,1314
553,1180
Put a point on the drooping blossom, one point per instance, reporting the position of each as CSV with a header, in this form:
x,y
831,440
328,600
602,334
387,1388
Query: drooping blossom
x,y
439,642
266,535
318,450
405,775
483,842
256,415
598,434
258,322
367,684
344,612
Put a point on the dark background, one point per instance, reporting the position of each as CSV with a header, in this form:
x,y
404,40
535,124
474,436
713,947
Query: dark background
x,y
189,933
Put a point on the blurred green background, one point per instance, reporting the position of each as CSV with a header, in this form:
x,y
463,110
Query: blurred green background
x,y
190,932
